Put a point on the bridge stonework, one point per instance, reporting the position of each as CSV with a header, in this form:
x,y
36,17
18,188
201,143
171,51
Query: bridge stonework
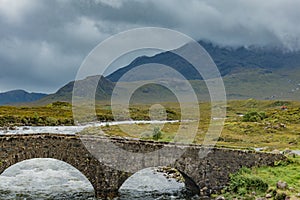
x,y
211,172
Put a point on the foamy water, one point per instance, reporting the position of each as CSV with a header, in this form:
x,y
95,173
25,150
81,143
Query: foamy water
x,y
45,178
72,129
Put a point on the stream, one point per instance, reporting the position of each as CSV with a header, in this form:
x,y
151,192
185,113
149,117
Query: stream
x,y
46,178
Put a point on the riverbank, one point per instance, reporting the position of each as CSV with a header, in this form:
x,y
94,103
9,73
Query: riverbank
x,y
72,130
278,182
272,125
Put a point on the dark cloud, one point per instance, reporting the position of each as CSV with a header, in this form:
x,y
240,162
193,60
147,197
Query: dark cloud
x,y
42,43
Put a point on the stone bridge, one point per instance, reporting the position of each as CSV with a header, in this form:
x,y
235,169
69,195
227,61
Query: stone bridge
x,y
210,173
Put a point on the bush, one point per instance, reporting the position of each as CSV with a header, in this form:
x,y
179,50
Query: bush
x,y
280,196
51,121
156,133
280,103
24,120
254,116
60,104
243,183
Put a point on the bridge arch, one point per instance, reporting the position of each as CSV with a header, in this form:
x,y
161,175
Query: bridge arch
x,y
51,176
157,181
67,148
190,184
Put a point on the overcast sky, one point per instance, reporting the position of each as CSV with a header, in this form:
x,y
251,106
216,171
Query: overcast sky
x,y
43,42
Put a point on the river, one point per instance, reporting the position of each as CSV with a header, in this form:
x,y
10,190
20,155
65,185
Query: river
x,y
71,129
46,178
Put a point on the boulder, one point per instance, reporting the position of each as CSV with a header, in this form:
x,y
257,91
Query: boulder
x,y
268,196
282,185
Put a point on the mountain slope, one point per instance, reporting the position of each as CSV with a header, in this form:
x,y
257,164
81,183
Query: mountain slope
x,y
18,96
228,60
103,92
254,72
261,73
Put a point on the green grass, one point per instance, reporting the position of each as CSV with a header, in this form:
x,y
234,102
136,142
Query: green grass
x,y
52,114
247,181
274,128
269,126
60,113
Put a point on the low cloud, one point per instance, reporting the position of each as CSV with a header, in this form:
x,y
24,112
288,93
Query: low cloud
x,y
42,43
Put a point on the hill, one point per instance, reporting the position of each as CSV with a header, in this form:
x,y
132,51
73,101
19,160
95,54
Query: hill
x,y
247,72
19,96
228,60
103,92
260,73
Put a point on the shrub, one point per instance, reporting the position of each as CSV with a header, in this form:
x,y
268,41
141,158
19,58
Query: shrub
x,y
51,121
280,103
243,183
35,118
60,104
24,121
156,135
254,116
280,196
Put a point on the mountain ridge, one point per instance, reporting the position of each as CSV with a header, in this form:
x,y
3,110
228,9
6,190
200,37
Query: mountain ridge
x,y
19,96
228,60
65,93
262,73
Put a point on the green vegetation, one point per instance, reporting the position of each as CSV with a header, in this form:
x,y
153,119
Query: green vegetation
x,y
262,181
156,135
254,116
249,123
271,125
243,183
58,113
253,123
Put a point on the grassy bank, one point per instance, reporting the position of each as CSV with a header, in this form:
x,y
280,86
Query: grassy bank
x,y
250,184
249,123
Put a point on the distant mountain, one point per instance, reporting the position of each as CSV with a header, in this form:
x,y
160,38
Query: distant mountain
x,y
252,72
228,60
19,96
103,92
261,73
